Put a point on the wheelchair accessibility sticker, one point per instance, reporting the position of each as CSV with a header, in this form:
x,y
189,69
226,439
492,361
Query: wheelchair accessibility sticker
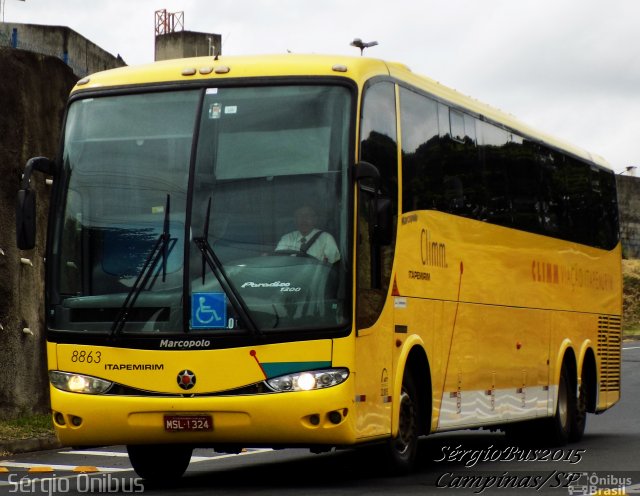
x,y
208,311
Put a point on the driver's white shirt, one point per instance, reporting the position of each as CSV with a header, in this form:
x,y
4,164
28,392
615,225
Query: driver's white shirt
x,y
324,247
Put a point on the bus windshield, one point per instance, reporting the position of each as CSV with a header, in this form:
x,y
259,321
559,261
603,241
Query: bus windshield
x,y
208,211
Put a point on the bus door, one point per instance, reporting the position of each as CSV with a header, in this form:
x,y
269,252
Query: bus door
x,y
375,248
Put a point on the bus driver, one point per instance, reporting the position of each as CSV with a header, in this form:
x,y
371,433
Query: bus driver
x,y
308,239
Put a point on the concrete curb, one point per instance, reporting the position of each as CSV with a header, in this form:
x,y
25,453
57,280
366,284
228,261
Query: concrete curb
x,y
28,445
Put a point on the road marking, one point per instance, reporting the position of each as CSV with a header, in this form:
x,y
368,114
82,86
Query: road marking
x,y
119,454
70,468
114,454
40,467
228,455
194,459
84,469
632,348
40,470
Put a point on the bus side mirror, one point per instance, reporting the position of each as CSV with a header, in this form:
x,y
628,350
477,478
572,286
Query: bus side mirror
x,y
26,219
26,203
365,170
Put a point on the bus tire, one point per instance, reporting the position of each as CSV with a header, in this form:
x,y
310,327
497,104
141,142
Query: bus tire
x,y
559,426
402,449
579,417
160,463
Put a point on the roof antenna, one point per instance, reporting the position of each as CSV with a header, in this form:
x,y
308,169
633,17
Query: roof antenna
x,y
217,53
358,43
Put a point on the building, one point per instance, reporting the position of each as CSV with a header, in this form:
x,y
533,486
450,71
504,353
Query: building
x,y
629,207
181,44
83,56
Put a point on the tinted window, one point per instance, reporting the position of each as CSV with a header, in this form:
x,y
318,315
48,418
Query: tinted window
x,y
459,164
457,125
607,214
577,193
495,153
422,174
462,181
379,147
378,134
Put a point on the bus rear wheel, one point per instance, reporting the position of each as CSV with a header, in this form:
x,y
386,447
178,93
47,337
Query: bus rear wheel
x,y
579,419
403,448
567,424
160,463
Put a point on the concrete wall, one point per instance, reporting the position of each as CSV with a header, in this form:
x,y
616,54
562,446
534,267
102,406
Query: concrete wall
x,y
83,56
629,206
187,44
33,93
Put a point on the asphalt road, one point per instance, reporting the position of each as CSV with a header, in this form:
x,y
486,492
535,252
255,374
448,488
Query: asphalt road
x,y
467,462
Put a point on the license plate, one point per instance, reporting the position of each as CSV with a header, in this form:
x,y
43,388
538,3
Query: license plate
x,y
188,423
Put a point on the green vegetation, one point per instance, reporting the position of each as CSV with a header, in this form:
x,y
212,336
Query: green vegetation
x,y
631,311
26,427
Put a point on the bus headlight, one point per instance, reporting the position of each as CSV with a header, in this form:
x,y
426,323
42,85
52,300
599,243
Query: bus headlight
x,y
78,383
308,380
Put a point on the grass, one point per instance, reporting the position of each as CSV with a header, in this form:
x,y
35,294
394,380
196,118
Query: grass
x,y
631,303
26,427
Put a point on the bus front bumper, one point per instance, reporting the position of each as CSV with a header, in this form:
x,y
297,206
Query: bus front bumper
x,y
305,418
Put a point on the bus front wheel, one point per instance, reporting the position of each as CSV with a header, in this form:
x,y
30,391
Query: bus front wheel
x,y
160,462
403,448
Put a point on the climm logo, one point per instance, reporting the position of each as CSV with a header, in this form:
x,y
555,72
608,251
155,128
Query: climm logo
x,y
433,253
545,272
570,275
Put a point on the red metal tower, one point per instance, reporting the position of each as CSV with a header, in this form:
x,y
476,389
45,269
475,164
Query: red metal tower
x,y
169,22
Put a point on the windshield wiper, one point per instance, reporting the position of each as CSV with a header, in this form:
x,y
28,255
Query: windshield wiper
x,y
160,249
210,258
205,236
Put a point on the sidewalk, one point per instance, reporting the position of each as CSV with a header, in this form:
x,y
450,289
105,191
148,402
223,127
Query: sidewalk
x,y
12,447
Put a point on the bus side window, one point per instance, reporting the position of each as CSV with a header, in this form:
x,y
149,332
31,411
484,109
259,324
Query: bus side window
x,y
423,180
379,147
496,153
459,159
606,235
578,197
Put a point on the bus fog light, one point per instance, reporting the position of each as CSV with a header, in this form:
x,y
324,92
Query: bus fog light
x,y
78,383
76,421
58,418
308,380
335,417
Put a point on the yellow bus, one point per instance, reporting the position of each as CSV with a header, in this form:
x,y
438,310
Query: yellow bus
x,y
318,251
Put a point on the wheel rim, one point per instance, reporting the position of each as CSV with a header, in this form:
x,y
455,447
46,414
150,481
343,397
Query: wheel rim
x,y
582,402
563,404
407,428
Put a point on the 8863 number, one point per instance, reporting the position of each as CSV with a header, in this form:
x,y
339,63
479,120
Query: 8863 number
x,y
83,356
